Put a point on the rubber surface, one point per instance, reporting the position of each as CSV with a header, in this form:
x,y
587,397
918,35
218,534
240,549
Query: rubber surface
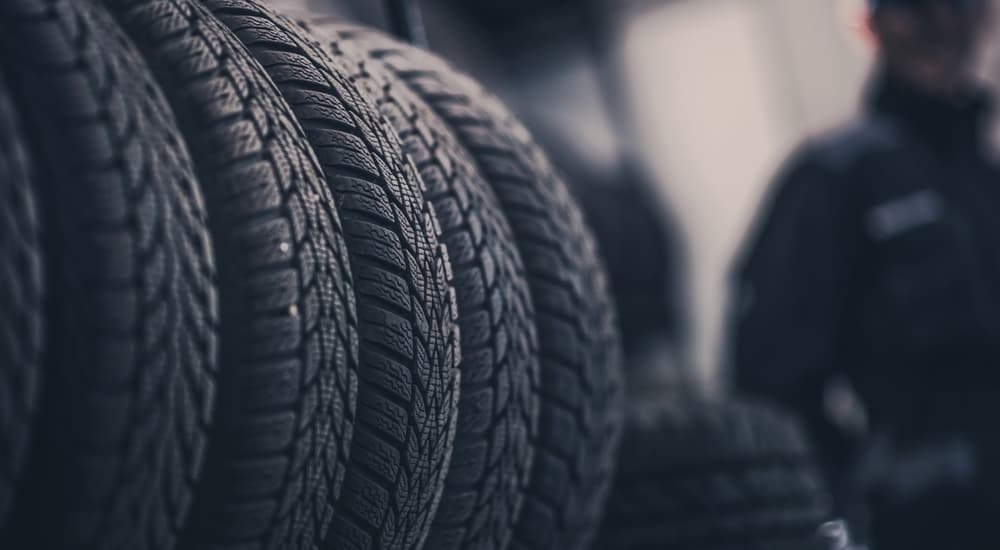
x,y
581,389
131,309
289,347
498,409
21,293
407,393
705,475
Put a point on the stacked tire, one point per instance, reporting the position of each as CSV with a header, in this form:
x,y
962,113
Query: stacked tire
x,y
268,284
699,473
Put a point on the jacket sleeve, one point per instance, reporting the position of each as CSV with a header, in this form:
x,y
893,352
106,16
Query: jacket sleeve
x,y
790,296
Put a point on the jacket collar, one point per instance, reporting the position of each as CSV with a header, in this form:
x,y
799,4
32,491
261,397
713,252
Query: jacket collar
x,y
944,123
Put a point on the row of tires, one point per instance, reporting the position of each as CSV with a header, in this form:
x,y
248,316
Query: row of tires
x,y
276,284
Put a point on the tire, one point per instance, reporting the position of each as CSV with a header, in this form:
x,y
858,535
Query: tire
x,y
581,388
289,336
498,408
720,476
21,293
408,388
132,309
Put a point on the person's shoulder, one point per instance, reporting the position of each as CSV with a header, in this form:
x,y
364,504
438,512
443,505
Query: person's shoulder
x,y
842,148
824,170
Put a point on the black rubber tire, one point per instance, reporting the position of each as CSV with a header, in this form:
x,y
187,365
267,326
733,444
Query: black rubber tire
x,y
581,410
498,408
408,388
713,476
288,353
132,309
21,315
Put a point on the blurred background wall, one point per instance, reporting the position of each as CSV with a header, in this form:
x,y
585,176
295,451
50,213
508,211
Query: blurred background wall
x,y
728,88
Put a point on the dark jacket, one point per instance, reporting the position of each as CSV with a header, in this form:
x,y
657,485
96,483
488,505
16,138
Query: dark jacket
x,y
878,260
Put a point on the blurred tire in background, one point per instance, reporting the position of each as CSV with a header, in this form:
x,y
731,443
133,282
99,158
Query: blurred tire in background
x,y
706,474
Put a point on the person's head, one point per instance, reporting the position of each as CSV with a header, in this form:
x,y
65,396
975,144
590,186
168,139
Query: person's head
x,y
931,44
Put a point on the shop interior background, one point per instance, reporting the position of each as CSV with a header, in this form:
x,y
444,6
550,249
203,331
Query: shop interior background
x,y
720,92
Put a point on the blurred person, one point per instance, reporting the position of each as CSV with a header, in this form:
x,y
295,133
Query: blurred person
x,y
877,261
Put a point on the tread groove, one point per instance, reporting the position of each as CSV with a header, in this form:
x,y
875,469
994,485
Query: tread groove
x,y
366,170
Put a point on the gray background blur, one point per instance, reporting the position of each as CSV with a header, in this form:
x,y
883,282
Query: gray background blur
x,y
759,76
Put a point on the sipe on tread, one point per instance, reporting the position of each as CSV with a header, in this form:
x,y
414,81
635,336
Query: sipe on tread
x,y
289,343
498,409
408,387
581,387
